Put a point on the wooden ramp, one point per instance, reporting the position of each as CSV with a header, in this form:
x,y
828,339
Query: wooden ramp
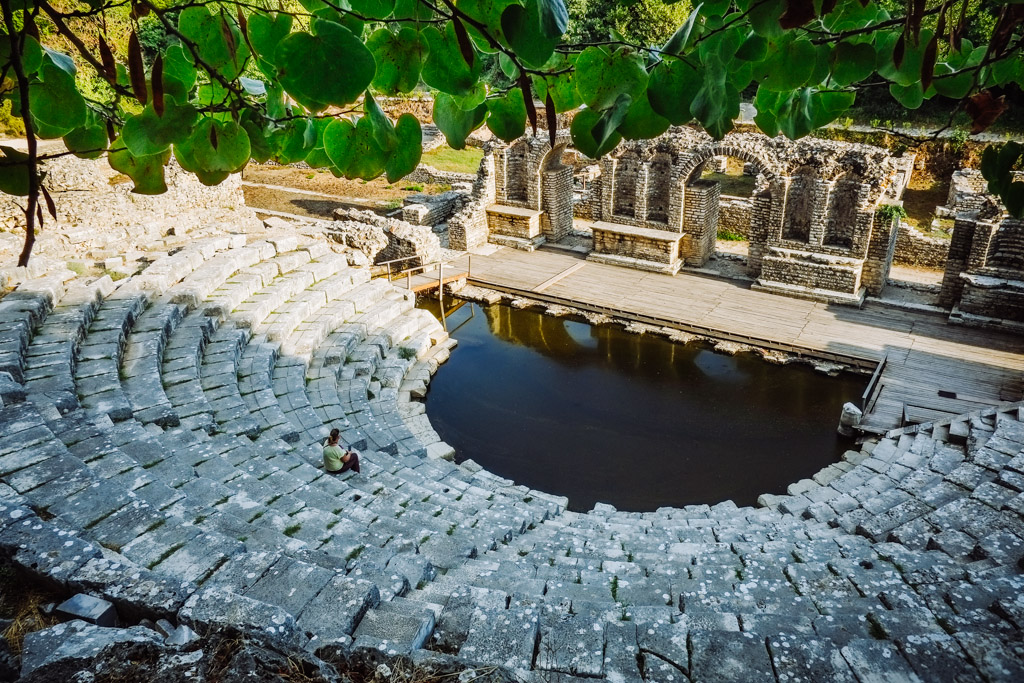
x,y
933,369
423,282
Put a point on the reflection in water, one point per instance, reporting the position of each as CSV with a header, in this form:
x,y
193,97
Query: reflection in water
x,y
598,414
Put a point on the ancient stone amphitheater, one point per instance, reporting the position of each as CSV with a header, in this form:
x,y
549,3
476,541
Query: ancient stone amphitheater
x,y
159,448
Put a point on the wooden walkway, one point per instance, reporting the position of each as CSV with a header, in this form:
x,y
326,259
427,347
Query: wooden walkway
x,y
925,356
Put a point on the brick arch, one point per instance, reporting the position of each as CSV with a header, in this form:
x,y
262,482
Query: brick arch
x,y
762,159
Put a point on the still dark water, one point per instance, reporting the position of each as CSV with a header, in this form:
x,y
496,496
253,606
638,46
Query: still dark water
x,y
601,415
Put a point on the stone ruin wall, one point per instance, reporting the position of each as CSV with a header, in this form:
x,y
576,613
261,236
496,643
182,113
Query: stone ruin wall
x,y
467,229
914,248
734,214
99,217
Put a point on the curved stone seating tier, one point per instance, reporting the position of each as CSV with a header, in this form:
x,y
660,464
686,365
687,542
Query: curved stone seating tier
x,y
161,448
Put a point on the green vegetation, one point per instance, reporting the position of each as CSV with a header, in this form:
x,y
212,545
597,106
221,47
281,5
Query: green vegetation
x,y
148,80
729,236
454,160
291,530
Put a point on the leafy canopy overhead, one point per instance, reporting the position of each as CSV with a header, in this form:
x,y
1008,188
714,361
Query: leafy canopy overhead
x,y
228,81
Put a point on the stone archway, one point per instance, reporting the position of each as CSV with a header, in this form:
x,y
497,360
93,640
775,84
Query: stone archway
x,y
700,199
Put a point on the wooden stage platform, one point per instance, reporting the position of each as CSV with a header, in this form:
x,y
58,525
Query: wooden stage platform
x,y
925,356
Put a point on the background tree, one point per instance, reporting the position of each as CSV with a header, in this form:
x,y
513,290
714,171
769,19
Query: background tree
x,y
217,83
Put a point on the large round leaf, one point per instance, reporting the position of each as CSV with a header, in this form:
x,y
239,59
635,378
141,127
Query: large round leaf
x,y
506,116
217,39
354,150
373,9
851,63
266,31
487,12
445,68
674,84
260,146
146,172
305,63
317,157
56,102
294,140
788,66
455,122
148,133
560,87
521,26
909,70
31,56
14,172
406,155
214,150
602,76
583,138
641,121
910,96
179,74
399,59
89,140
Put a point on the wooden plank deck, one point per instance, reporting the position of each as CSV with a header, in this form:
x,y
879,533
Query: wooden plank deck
x,y
926,355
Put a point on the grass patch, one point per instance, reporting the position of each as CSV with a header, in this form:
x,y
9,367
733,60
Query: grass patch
x,y
165,554
355,553
444,158
732,184
22,601
291,530
730,236
451,529
415,187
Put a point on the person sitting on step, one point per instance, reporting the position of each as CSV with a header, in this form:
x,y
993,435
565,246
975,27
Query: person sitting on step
x,y
338,459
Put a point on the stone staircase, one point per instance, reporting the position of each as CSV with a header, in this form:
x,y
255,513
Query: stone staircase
x,y
160,447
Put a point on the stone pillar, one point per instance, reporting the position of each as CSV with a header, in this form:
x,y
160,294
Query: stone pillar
x,y
700,221
821,190
556,202
765,222
880,249
640,188
959,253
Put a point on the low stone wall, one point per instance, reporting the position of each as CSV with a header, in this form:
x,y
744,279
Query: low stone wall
x,y
991,297
914,248
402,240
425,209
429,174
99,217
813,271
734,214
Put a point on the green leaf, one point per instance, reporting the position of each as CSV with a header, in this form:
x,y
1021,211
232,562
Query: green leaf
x,y
487,12
508,67
55,102
373,9
769,105
147,172
353,149
909,71
910,96
414,11
997,165
1013,199
561,87
753,49
383,129
681,39
950,83
554,18
521,28
217,39
266,30
146,133
717,102
601,77
506,116
764,18
583,139
260,146
214,150
14,172
674,84
829,105
789,65
455,122
304,62
61,61
317,157
641,122
294,141
31,56
179,73
406,156
444,68
852,63
399,59
85,140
